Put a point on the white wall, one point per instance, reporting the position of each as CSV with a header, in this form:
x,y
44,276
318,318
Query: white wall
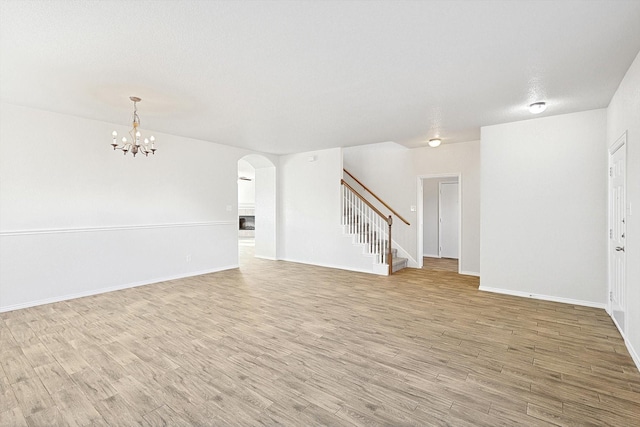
x,y
77,218
310,228
623,115
544,208
246,193
392,172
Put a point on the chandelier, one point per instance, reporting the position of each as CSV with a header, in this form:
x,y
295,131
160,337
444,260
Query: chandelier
x,y
134,144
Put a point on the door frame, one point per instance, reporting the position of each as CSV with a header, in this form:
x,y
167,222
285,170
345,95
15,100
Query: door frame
x,y
619,144
420,214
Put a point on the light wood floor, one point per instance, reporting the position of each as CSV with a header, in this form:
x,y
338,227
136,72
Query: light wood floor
x,y
291,344
440,264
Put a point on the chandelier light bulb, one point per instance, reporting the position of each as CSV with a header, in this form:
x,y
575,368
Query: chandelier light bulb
x,y
124,140
114,134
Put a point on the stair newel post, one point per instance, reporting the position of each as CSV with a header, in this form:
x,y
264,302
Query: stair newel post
x,y
389,258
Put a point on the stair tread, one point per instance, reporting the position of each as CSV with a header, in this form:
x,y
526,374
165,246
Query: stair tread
x,y
398,264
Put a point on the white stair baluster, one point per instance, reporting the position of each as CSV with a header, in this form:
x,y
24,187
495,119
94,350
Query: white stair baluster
x,y
342,203
351,210
359,221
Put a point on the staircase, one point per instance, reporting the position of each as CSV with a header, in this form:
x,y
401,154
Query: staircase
x,y
370,228
372,237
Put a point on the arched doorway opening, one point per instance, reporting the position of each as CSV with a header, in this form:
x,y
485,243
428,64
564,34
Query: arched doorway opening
x,y
257,196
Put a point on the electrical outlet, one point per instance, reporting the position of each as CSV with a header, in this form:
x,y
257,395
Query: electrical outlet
x,y
189,258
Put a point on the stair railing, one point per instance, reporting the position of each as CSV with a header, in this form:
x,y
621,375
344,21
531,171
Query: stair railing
x,y
376,197
369,224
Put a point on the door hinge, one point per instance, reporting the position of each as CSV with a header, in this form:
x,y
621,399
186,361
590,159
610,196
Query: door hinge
x,y
611,171
610,233
611,296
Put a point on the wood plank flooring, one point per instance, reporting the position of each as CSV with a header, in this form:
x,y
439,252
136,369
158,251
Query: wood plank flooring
x,y
276,343
440,264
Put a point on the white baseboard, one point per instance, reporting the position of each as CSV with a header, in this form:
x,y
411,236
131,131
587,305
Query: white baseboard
x,y
109,289
266,257
469,273
430,256
544,297
632,351
627,343
337,267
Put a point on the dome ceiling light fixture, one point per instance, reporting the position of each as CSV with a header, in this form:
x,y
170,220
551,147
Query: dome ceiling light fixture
x,y
133,145
537,107
434,142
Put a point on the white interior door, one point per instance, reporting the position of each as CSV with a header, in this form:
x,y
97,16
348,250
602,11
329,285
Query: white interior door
x,y
449,233
617,231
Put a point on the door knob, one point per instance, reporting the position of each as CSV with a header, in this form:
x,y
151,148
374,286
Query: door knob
x,y
620,248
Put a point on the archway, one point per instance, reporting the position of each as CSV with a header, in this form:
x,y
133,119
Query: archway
x,y
263,176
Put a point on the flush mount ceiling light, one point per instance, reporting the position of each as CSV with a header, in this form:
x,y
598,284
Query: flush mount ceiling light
x,y
537,107
434,142
133,144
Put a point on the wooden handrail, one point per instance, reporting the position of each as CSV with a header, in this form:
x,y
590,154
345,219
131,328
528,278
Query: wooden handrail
x,y
343,182
374,195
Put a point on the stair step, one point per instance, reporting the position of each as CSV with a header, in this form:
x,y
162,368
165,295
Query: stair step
x,y
398,264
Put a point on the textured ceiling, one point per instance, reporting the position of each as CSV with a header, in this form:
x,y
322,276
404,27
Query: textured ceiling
x,y
292,76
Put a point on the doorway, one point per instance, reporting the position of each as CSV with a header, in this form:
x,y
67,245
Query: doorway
x,y
439,222
257,233
448,230
246,209
617,232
